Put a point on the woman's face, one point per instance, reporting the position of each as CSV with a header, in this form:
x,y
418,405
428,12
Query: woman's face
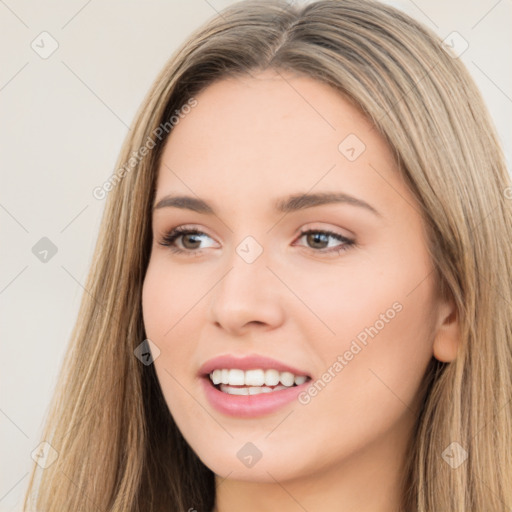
x,y
351,306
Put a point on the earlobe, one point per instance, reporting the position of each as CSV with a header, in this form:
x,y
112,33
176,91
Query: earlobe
x,y
447,337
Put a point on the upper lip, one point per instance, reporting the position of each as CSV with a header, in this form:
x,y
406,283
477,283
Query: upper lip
x,y
249,362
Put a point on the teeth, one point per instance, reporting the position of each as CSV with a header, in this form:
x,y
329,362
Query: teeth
x,y
271,377
287,378
300,379
257,378
259,389
254,378
216,376
249,390
234,391
236,377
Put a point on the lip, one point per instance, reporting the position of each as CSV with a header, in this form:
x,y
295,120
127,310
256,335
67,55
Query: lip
x,y
249,406
251,362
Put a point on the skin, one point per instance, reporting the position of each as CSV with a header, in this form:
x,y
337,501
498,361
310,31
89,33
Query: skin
x,y
248,142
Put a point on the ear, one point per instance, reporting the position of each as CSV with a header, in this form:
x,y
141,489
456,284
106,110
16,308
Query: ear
x,y
447,336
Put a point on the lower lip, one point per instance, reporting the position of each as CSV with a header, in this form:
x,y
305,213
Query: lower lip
x,y
250,406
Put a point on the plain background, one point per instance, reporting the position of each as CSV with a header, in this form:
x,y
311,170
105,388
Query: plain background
x,y
62,122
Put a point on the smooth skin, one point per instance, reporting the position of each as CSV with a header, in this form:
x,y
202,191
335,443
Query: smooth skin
x,y
249,142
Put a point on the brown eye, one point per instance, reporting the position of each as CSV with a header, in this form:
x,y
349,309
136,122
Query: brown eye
x,y
319,240
190,240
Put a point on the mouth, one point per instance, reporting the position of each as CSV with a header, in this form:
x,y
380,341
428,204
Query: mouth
x,y
252,385
235,381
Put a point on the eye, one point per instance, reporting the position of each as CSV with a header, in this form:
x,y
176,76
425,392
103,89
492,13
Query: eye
x,y
318,239
190,239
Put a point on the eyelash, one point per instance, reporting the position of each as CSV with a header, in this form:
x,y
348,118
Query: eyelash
x,y
169,239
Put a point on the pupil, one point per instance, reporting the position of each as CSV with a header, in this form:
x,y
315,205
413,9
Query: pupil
x,y
190,236
315,238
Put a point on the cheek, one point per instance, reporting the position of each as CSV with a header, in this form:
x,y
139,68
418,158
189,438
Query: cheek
x,y
372,378
166,296
174,299
168,314
382,318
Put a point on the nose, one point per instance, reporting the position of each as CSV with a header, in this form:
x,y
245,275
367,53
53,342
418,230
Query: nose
x,y
248,294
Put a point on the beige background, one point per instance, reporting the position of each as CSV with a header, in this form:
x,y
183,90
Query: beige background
x,y
63,120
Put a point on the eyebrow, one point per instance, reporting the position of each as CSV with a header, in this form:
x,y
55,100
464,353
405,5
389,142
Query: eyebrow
x,y
292,203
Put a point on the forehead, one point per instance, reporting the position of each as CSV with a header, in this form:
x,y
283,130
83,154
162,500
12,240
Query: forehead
x,y
269,135
279,109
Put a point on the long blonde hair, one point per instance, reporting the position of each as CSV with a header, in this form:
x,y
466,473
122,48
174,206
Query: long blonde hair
x,y
118,447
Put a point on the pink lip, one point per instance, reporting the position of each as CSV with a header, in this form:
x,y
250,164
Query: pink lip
x,y
248,406
252,362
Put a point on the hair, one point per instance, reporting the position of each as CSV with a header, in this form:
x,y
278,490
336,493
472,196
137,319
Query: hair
x,y
118,446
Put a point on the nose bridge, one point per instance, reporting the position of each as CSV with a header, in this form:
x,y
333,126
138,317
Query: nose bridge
x,y
248,275
249,291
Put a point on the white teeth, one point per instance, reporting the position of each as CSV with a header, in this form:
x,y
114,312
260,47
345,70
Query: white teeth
x,y
255,378
271,377
286,378
259,389
300,379
216,376
236,377
234,391
250,390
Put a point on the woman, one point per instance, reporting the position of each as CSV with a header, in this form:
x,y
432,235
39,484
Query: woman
x,y
223,359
